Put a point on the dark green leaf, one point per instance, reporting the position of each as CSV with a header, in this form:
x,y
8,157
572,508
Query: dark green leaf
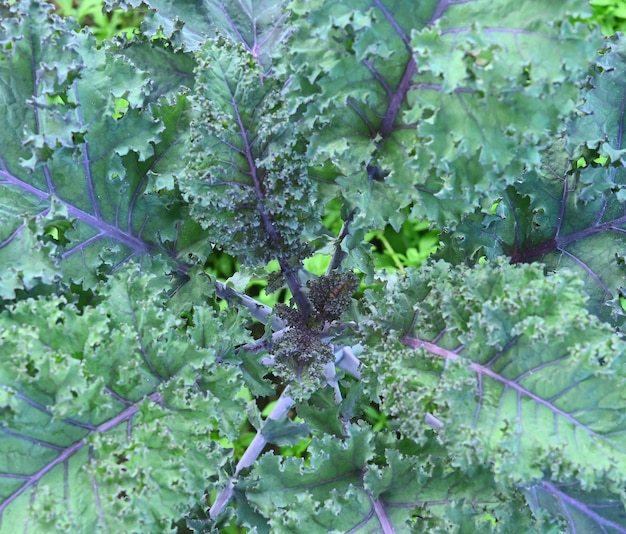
x,y
284,432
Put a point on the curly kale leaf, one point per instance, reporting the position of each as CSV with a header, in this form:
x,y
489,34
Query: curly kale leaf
x,y
363,482
561,214
108,413
437,106
259,25
247,179
77,173
527,386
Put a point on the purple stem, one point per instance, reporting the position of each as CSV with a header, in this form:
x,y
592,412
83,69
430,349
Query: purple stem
x,y
137,246
385,522
259,311
485,371
585,509
254,450
291,277
33,480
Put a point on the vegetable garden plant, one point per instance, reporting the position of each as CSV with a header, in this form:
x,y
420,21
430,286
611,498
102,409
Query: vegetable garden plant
x,y
484,391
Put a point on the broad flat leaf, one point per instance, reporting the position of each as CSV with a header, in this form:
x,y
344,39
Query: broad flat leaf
x,y
259,25
73,173
107,413
521,383
436,104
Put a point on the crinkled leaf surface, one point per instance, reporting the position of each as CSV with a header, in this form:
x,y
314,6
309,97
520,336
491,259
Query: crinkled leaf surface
x,y
492,380
342,488
583,511
107,413
247,179
72,175
169,70
601,123
563,216
439,101
526,387
256,24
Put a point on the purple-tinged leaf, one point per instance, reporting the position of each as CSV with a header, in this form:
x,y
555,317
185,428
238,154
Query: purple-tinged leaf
x,y
437,104
247,178
581,511
73,168
259,25
107,414
342,488
564,216
523,384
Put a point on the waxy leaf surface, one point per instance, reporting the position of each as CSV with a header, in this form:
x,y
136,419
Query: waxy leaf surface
x,y
98,407
564,216
74,169
523,381
435,104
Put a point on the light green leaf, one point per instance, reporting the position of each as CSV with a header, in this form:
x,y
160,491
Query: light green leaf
x,y
107,413
426,105
531,386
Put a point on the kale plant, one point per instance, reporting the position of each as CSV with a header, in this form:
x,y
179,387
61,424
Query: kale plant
x,y
127,371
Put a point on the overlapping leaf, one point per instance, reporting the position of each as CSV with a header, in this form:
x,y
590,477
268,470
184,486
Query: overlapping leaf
x,y
436,103
169,70
109,409
343,488
521,383
107,413
563,216
73,172
256,24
